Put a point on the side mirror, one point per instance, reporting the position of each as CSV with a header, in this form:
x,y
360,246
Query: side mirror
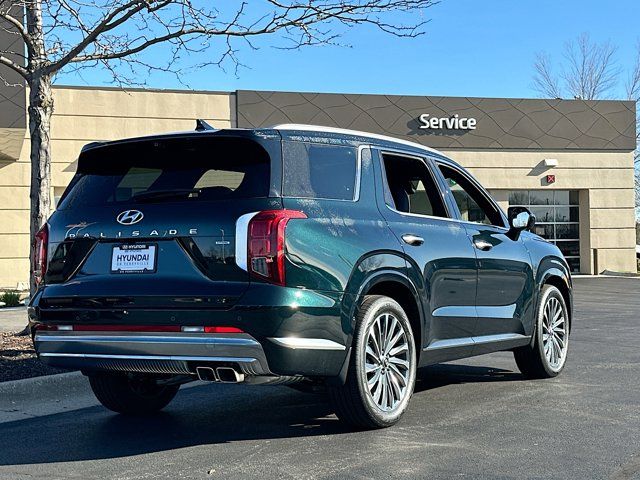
x,y
520,219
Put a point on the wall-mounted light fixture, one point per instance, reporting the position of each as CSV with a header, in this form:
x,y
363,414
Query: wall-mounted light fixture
x,y
550,162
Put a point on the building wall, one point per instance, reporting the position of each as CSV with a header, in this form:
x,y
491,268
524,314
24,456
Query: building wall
x,y
606,185
84,115
604,176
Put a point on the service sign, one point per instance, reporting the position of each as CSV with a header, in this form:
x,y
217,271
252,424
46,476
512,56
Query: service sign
x,y
456,122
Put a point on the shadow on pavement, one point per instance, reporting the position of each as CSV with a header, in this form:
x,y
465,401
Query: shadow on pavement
x,y
210,414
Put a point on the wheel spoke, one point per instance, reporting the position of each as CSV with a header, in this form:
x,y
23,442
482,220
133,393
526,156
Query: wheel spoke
x,y
372,353
399,361
391,340
399,376
396,390
371,367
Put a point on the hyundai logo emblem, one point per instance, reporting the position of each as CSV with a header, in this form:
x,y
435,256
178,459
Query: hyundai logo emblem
x,y
129,217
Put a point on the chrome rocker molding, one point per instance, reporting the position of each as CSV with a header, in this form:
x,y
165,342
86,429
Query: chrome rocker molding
x,y
480,340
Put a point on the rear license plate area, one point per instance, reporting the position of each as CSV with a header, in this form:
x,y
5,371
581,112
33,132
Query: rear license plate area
x,y
134,258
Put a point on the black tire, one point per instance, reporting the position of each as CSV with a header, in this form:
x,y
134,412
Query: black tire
x,y
131,395
353,402
531,359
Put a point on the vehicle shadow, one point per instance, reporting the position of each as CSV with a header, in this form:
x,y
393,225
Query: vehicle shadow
x,y
203,415
437,376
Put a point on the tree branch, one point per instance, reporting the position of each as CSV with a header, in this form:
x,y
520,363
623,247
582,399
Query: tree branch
x,y
7,62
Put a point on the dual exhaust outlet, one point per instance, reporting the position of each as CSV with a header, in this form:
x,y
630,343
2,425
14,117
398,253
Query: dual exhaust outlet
x,y
219,374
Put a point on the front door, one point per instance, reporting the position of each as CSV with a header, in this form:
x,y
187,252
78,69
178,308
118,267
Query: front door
x,y
440,259
505,277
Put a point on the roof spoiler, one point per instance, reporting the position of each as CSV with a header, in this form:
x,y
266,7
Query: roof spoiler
x,y
202,126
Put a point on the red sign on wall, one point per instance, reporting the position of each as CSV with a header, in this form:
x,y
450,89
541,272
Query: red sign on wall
x,y
551,179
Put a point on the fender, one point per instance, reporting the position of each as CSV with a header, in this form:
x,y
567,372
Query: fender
x,y
371,270
551,266
356,292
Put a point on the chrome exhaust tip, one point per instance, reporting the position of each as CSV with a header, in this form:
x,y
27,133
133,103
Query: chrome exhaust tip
x,y
229,375
206,374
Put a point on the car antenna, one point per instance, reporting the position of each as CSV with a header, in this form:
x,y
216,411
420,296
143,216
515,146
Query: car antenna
x,y
202,126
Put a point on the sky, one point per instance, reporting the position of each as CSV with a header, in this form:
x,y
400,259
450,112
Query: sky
x,y
471,48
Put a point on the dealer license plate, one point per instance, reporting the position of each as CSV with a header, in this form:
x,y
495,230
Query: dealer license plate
x,y
133,259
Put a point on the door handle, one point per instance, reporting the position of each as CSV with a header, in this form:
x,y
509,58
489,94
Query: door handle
x,y
482,245
414,240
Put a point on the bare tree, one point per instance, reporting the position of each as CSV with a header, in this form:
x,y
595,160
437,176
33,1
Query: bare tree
x,y
588,70
115,35
633,93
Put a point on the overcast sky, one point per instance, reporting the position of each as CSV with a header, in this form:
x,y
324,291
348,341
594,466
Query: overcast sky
x,y
471,48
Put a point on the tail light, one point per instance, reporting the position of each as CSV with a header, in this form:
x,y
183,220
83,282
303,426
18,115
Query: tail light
x,y
40,246
265,244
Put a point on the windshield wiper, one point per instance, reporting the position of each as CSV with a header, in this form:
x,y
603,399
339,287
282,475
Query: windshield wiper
x,y
151,195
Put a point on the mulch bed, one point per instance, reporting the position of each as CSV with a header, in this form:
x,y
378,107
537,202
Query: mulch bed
x,y
18,359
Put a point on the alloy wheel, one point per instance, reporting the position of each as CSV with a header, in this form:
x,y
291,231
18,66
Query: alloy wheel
x,y
387,362
554,333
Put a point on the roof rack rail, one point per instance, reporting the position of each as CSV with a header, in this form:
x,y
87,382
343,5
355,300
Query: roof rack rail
x,y
202,125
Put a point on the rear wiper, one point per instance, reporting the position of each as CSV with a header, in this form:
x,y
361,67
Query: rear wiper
x,y
151,195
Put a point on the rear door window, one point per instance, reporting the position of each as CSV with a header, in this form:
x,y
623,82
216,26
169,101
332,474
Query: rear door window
x,y
319,171
222,170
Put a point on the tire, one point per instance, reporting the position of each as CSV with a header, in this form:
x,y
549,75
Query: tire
x,y
131,395
393,372
535,361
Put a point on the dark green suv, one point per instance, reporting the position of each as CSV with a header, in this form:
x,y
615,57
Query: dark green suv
x,y
324,259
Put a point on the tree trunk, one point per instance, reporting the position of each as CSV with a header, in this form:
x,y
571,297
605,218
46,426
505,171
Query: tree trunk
x,y
40,111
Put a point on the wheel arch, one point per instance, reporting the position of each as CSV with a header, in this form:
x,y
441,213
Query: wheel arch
x,y
401,289
557,274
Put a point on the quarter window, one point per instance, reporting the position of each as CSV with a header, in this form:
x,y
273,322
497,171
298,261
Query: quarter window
x,y
319,171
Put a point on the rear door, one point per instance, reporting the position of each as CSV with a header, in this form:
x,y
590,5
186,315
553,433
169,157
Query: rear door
x,y
154,221
438,252
505,276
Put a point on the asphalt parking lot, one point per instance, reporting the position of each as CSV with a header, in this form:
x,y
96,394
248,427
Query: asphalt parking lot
x,y
471,419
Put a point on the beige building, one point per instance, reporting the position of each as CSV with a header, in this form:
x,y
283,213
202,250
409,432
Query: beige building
x,y
570,162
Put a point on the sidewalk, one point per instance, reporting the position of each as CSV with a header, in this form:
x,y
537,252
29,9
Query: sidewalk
x,y
13,319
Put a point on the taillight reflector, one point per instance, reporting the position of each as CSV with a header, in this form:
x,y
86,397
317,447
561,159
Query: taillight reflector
x,y
40,246
265,244
222,330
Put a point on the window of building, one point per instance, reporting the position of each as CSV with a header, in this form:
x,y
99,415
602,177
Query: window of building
x,y
410,187
557,218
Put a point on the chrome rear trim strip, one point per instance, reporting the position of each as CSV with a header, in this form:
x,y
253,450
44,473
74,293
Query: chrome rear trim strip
x,y
187,339
308,343
151,357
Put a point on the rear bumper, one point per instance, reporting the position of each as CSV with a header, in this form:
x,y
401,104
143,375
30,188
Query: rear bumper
x,y
289,332
183,353
150,352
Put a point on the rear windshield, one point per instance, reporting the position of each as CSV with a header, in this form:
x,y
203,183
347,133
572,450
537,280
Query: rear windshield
x,y
319,171
181,170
